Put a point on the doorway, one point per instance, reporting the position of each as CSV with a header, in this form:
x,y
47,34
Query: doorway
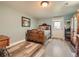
x,y
58,28
67,29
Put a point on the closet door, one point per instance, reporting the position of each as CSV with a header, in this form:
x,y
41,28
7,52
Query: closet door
x,y
78,23
77,42
75,30
72,29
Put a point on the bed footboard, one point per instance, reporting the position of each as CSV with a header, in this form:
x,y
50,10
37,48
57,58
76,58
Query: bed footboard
x,y
35,36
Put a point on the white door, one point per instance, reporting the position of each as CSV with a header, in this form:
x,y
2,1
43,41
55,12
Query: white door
x,y
58,28
73,29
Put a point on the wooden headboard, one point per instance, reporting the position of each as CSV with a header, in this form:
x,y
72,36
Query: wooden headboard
x,y
45,26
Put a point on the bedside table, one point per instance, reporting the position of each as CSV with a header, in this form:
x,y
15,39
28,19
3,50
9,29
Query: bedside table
x,y
4,41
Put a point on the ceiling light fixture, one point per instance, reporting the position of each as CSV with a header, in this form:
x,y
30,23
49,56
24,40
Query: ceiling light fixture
x,y
44,3
66,3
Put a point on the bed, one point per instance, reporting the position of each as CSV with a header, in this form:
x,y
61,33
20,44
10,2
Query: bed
x,y
46,29
40,35
34,44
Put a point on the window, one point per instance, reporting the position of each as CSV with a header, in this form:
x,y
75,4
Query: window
x,y
57,25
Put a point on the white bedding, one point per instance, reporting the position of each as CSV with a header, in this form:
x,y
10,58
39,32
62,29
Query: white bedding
x,y
47,33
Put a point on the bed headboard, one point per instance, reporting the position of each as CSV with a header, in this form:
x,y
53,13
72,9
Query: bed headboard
x,y
45,26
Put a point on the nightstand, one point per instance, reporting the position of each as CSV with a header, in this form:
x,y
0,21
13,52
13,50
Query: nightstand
x,y
4,41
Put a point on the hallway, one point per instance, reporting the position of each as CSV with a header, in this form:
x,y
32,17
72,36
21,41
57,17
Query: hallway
x,y
58,48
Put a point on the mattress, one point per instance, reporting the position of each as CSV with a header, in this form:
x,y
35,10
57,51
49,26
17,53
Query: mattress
x,y
47,33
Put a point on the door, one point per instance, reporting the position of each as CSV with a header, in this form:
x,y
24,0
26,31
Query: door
x,y
58,28
73,29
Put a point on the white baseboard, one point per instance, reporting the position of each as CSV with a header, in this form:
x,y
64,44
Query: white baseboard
x,y
13,44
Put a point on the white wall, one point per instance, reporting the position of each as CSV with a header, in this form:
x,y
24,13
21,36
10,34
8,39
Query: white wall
x,y
10,24
48,21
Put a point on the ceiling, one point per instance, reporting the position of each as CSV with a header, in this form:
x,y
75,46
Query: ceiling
x,y
34,9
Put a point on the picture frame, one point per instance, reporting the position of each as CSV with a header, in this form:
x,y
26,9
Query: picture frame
x,y
25,21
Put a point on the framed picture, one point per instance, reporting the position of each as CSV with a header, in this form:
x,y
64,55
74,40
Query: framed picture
x,y
25,22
